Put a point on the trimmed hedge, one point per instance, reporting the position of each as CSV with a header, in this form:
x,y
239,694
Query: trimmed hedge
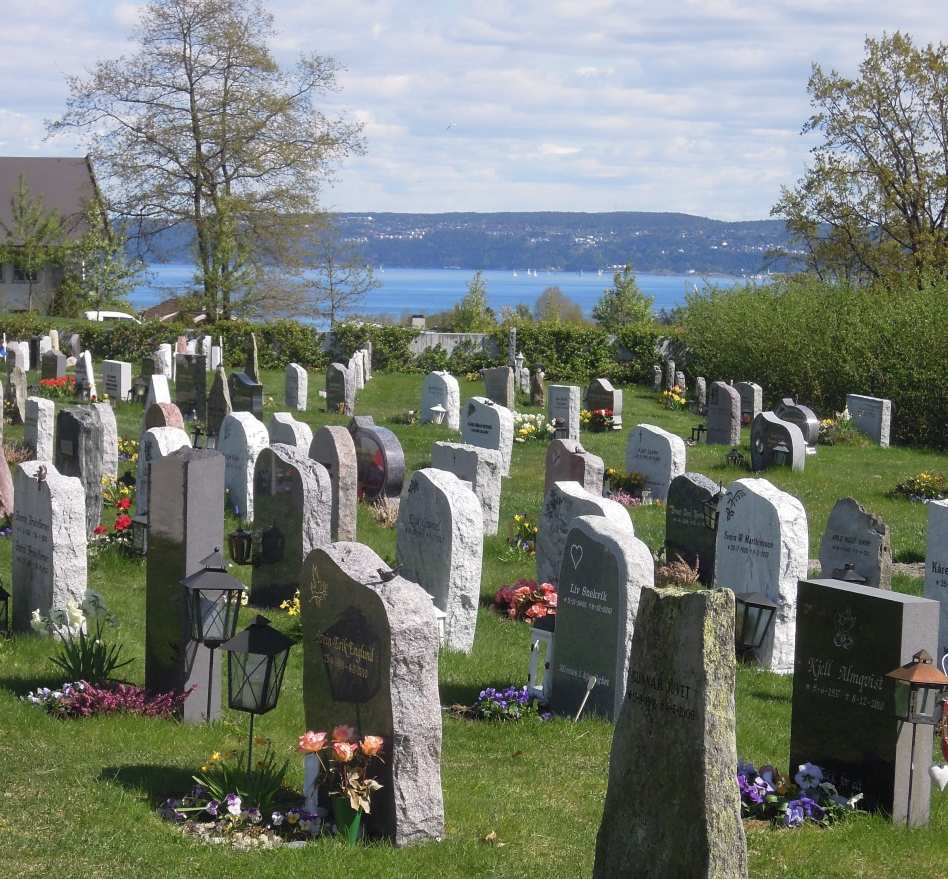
x,y
817,342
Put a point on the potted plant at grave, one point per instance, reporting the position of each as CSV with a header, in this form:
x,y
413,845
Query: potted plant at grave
x,y
346,762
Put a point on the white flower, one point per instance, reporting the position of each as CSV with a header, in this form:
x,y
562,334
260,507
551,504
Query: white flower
x,y
276,819
37,623
809,776
74,614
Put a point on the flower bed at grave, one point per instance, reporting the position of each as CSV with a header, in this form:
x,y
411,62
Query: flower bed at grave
x,y
62,388
508,704
840,431
766,795
522,538
82,699
532,428
927,485
526,600
596,420
673,398
625,488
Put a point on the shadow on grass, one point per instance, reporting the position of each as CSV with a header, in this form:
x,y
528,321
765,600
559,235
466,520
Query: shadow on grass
x,y
21,686
768,697
157,782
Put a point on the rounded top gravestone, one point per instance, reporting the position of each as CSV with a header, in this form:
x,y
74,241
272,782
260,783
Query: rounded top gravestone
x,y
333,447
568,461
439,546
658,455
163,415
380,460
241,439
691,522
773,440
154,443
284,428
489,425
441,388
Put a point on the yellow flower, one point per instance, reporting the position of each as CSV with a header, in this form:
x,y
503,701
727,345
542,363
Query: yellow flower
x,y
216,757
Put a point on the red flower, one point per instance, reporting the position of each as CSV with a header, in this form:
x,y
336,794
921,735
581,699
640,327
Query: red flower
x,y
122,522
100,529
124,503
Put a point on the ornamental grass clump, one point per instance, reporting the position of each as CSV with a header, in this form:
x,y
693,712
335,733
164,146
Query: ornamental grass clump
x,y
767,796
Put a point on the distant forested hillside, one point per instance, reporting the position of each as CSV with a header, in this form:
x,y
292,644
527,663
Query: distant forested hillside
x,y
654,242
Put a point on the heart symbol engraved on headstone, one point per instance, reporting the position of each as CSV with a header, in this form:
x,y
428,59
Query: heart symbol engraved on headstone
x,y
939,774
575,554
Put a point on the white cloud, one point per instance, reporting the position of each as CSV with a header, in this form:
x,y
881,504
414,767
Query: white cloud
x,y
591,105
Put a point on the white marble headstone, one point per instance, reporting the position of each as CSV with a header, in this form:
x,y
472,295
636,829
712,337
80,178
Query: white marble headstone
x,y
441,388
242,438
489,425
658,455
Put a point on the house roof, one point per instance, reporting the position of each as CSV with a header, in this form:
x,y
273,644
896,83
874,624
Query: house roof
x,y
66,185
168,310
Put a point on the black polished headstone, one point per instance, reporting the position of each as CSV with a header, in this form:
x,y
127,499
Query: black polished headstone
x,y
52,365
847,639
190,386
246,395
80,452
380,460
802,416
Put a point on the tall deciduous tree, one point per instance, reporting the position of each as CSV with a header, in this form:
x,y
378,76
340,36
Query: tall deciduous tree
x,y
472,314
554,305
623,303
874,202
337,278
34,236
200,126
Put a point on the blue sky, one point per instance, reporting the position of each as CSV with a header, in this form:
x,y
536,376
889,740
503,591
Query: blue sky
x,y
589,105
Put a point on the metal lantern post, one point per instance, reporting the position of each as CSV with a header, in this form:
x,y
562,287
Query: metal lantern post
x,y
754,614
256,661
920,688
213,598
241,544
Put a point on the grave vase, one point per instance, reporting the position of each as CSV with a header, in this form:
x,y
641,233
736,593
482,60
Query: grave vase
x,y
348,820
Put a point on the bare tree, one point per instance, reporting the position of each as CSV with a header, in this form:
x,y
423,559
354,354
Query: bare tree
x,y
200,126
338,276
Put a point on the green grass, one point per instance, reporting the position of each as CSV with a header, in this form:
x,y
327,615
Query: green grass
x,y
77,797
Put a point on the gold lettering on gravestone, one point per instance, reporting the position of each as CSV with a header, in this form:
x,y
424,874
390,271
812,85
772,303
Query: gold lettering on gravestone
x,y
346,655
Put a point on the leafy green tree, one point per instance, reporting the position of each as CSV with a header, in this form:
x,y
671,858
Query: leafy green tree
x,y
554,305
472,314
874,202
623,303
199,127
99,274
34,236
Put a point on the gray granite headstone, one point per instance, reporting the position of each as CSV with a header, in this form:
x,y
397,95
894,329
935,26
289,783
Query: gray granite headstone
x,y
872,416
157,390
752,400
680,381
218,402
185,525
39,427
701,395
164,360
284,428
568,461
333,447
49,541
241,439
562,410
602,395
340,389
109,428
771,437
723,415
79,452
441,389
18,393
380,460
680,700
763,546
296,387
848,638
251,365
604,569
439,546
658,455
481,468
657,378
53,365
116,379
154,444
499,386
292,504
936,567
669,374
855,536
490,426
537,388
690,523
54,339
563,503
370,660
85,377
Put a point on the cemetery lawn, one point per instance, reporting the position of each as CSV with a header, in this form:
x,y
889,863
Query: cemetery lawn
x,y
78,797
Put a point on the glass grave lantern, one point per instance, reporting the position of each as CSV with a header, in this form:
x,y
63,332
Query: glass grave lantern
x,y
920,691
754,614
734,458
438,413
256,661
213,599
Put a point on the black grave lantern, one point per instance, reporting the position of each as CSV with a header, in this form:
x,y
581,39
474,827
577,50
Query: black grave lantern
x,y
198,436
697,431
849,574
140,535
754,615
920,688
4,610
213,600
241,545
256,661
734,458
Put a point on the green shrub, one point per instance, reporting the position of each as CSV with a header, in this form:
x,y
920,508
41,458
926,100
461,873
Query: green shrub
x,y
568,352
817,342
